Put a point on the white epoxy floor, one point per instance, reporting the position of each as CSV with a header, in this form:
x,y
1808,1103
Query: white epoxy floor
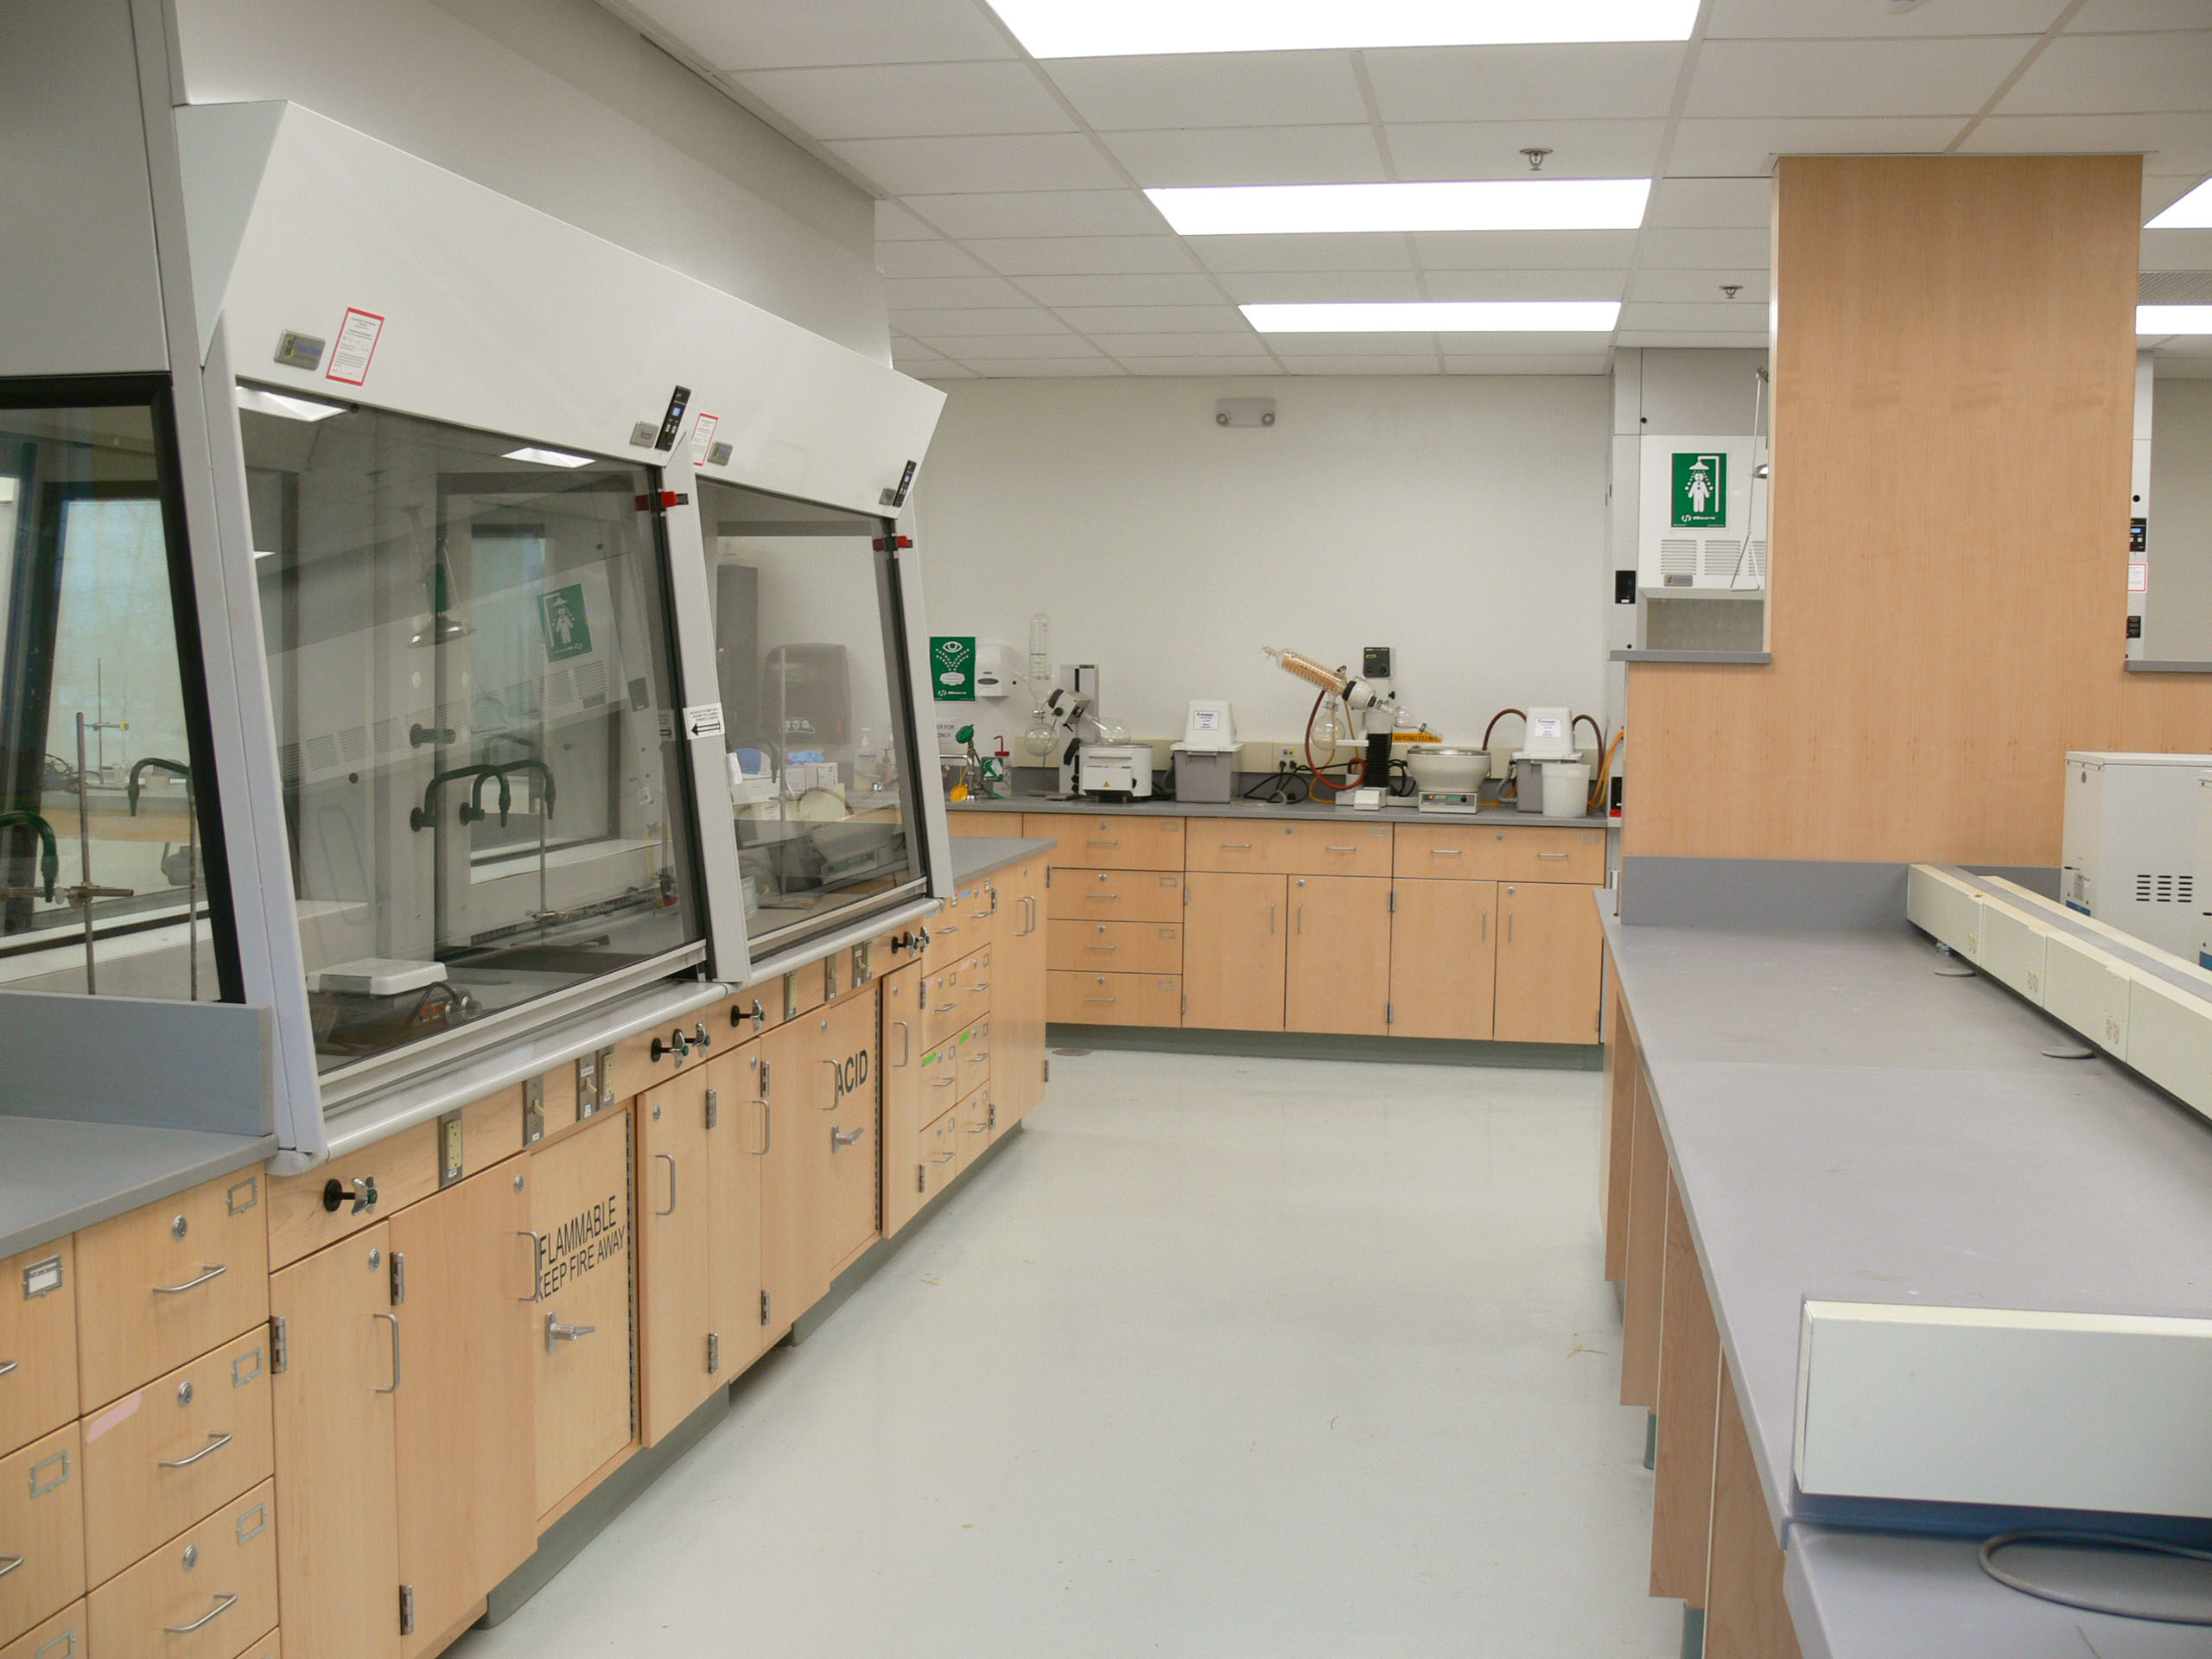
x,y
1219,1357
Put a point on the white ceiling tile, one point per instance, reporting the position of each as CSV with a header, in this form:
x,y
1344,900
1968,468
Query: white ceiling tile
x,y
938,372
2162,190
1045,368
1831,19
1831,78
1125,346
1515,83
2169,144
1718,315
1522,345
1164,289
1726,339
2173,366
1082,256
1201,155
894,223
981,348
1046,161
828,31
1704,248
1707,203
2091,73
1587,284
1331,252
1491,149
1225,89
1040,213
1289,345
2103,15
925,292
1240,368
1692,284
1101,320
1366,364
1747,147
935,257
894,100
1525,250
2178,250
1590,363
1276,287
929,322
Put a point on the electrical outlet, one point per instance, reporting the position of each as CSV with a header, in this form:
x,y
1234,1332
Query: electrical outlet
x,y
1267,756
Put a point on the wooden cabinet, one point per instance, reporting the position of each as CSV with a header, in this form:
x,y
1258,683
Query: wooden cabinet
x,y
846,1127
972,822
1234,951
1114,842
1549,949
1245,846
165,1282
788,1179
1114,999
1336,967
1114,895
200,1596
337,1499
63,1636
1018,994
1471,852
372,1183
579,1211
906,1105
819,1178
38,1343
676,1251
737,1140
1444,959
42,1521
1117,947
462,1269
1348,846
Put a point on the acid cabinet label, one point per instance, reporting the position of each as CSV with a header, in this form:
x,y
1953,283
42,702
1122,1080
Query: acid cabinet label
x,y
851,1074
585,1242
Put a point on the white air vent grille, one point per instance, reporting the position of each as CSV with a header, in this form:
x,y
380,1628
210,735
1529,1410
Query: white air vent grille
x,y
1678,557
2175,287
1755,566
2165,889
1720,557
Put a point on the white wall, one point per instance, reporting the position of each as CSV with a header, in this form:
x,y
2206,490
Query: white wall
x,y
2177,612
1460,519
561,105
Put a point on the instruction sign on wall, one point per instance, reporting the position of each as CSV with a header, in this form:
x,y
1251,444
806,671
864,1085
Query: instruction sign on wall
x,y
567,629
1700,490
952,667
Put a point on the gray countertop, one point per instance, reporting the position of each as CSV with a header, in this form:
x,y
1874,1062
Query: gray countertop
x,y
1394,812
56,1177
975,855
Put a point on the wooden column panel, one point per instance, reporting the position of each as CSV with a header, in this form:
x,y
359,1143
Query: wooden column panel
x,y
1689,1402
1650,1182
1624,1064
1745,1617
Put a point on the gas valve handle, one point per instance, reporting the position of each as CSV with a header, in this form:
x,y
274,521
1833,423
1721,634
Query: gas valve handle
x,y
362,1194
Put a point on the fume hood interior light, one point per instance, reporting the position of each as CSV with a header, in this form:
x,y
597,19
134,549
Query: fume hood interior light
x,y
547,457
286,406
2192,212
1475,204
2173,320
1056,28
1437,317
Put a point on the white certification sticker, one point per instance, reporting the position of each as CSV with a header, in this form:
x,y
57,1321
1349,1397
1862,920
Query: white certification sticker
x,y
357,344
703,438
703,720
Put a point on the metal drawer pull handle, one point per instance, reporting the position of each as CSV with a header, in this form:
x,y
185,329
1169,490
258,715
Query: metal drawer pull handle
x,y
839,1138
905,1042
557,1331
1235,846
1340,849
944,1157
215,1443
947,1082
948,928
536,1263
1102,999
946,1007
8,1564
8,1365
222,1605
1102,947
977,991
768,1127
1103,843
1444,852
1551,855
215,1270
671,1162
392,1319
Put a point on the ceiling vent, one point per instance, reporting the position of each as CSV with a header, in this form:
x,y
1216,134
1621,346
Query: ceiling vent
x,y
2175,288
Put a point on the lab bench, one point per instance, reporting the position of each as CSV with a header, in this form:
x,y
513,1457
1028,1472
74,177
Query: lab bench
x,y
1814,1113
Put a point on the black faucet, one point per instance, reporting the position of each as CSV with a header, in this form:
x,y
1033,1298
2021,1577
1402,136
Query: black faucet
x,y
424,816
153,763
543,773
49,864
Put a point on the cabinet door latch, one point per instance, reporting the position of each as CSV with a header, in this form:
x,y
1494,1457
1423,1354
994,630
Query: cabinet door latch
x,y
407,1609
714,1352
280,1353
398,1278
765,1305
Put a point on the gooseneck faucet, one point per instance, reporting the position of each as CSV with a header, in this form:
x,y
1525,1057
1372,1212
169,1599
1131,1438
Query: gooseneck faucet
x,y
49,863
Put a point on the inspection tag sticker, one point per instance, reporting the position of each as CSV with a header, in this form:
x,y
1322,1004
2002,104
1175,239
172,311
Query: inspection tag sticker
x,y
703,438
357,344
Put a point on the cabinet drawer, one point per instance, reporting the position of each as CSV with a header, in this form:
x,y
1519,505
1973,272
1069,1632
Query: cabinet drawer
x,y
1117,947
62,1637
1118,842
165,1455
41,1520
1479,853
949,998
1114,999
971,1057
38,1343
1256,844
1352,845
936,1155
1115,896
170,1280
966,923
200,1596
976,1119
940,1079
402,1168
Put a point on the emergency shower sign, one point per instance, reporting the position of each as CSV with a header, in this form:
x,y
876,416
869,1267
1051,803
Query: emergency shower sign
x,y
567,629
1700,497
952,667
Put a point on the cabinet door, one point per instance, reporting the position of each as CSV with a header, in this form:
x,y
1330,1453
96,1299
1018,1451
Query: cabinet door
x,y
463,1263
903,1096
41,1530
675,1297
338,1503
849,1130
1337,974
1233,954
580,1209
1550,951
1444,959
38,1343
1018,998
790,1084
736,1142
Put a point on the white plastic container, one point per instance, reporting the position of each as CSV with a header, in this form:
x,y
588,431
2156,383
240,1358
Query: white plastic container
x,y
1567,788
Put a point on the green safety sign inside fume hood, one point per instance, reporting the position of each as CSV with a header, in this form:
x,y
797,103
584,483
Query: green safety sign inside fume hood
x,y
952,667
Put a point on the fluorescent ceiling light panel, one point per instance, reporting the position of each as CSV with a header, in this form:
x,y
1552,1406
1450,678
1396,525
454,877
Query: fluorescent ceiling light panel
x,y
286,405
1481,204
1437,317
2192,212
1088,28
547,457
2173,319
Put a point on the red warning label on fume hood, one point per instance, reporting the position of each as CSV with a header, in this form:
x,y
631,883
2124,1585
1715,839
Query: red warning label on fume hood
x,y
357,344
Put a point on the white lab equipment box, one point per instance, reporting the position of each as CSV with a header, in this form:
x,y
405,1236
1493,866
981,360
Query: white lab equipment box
x,y
2130,846
1700,523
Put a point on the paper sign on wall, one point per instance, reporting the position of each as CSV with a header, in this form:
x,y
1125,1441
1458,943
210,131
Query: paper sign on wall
x,y
357,344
